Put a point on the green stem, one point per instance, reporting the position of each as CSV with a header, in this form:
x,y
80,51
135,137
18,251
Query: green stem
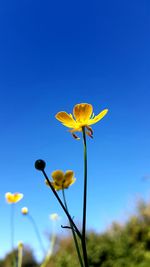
x,y
12,235
62,205
73,232
20,253
50,251
47,258
84,201
37,232
12,226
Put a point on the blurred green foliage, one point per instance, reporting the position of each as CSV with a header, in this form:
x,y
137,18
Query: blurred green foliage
x,y
123,245
28,259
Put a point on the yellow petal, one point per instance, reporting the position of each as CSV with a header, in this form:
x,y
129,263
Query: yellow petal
x,y
68,175
13,198
98,117
82,112
17,197
66,119
9,197
58,176
56,187
67,183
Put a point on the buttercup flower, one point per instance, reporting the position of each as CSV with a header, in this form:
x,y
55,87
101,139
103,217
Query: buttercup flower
x,y
62,180
54,217
83,116
13,198
24,210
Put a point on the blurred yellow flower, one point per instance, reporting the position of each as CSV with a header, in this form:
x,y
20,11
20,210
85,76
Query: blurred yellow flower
x,y
62,180
83,116
54,217
24,210
13,198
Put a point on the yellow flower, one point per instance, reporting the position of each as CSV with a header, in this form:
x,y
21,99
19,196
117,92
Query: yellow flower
x,y
83,116
24,210
13,198
54,217
62,180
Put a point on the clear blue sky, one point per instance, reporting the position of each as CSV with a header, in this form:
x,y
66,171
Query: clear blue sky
x,y
54,54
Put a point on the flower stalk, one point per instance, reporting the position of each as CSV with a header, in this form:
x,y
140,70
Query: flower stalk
x,y
37,232
73,232
53,217
50,251
25,212
20,254
12,226
12,234
84,200
12,199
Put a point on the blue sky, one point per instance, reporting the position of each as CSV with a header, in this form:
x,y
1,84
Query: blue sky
x,y
52,56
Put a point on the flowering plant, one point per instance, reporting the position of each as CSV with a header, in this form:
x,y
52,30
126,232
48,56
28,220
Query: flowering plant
x,y
80,121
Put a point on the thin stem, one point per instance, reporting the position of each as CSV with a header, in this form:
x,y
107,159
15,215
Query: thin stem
x,y
50,251
37,232
73,232
84,200
12,234
62,205
52,243
20,253
12,226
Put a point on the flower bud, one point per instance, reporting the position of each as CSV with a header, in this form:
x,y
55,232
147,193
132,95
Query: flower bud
x,y
40,164
24,210
20,245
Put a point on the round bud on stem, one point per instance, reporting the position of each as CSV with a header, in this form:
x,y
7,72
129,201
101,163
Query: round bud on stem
x,y
40,164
